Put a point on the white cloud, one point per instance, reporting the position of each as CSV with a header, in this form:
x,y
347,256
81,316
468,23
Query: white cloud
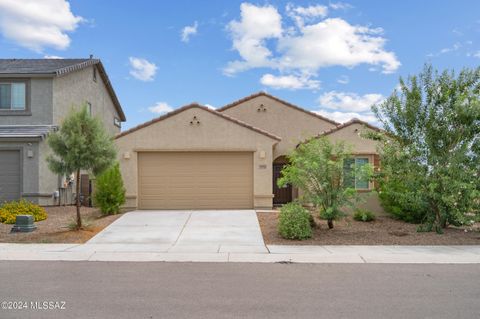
x,y
340,5
350,102
142,69
52,57
160,108
188,31
256,25
210,106
344,79
303,14
38,24
307,45
453,48
332,42
477,54
343,117
291,82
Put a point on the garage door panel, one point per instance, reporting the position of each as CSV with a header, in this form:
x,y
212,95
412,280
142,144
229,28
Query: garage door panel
x,y
195,180
9,175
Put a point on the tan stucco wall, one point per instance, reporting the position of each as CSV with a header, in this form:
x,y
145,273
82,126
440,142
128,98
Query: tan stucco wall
x,y
212,134
292,125
351,135
77,88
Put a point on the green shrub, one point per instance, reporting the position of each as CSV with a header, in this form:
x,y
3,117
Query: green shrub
x,y
294,222
109,191
363,215
399,198
9,211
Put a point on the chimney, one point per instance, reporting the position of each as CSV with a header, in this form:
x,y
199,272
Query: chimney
x,y
91,56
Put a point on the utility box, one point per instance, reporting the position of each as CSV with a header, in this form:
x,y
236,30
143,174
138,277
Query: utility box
x,y
24,224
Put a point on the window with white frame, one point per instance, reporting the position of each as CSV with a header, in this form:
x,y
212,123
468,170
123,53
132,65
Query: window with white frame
x,y
12,96
350,180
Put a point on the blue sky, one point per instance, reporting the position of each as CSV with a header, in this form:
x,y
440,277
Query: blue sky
x,y
331,57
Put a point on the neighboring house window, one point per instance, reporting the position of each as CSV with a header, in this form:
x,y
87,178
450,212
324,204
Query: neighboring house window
x,y
12,96
89,107
117,122
355,181
94,74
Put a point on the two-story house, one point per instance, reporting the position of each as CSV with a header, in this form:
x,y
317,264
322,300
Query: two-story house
x,y
35,96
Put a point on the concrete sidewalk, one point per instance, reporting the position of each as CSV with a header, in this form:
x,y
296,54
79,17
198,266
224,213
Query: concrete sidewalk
x,y
275,253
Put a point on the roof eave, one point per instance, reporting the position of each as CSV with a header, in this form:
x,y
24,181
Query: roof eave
x,y
195,105
28,75
261,93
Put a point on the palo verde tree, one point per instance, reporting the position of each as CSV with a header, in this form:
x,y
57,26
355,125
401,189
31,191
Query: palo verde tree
x,y
322,170
81,143
431,162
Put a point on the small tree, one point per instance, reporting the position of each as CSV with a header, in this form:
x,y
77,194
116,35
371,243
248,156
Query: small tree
x,y
318,168
81,144
431,161
109,191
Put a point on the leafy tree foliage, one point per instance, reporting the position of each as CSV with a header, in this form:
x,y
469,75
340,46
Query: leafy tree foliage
x,y
80,144
431,159
109,191
318,169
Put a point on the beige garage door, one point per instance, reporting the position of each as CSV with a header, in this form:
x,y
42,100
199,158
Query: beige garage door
x,y
195,180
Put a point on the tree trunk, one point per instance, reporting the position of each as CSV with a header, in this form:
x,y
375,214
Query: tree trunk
x,y
330,223
77,201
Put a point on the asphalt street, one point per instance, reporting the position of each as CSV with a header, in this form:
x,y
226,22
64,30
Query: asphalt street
x,y
237,290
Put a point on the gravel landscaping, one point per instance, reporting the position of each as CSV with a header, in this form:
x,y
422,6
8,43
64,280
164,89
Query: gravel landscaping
x,y
383,231
55,228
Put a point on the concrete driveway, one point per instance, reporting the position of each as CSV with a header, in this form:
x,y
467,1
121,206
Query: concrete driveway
x,y
203,231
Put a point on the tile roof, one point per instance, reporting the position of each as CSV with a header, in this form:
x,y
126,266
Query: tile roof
x,y
43,66
196,105
58,67
25,131
348,123
340,126
261,93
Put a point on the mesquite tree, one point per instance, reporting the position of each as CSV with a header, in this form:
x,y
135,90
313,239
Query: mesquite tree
x,y
431,161
319,169
81,144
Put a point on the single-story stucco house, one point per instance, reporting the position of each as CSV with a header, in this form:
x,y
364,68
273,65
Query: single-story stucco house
x,y
229,158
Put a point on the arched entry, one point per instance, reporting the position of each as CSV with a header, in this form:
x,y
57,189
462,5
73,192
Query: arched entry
x,y
282,195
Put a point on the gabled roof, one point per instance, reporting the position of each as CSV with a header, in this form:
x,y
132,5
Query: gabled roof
x,y
196,105
348,123
43,66
25,131
58,67
261,93
341,126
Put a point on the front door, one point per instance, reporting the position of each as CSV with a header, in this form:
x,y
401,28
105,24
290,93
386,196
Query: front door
x,y
282,195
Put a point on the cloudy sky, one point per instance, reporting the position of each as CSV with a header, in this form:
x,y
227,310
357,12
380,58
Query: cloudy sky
x,y
334,58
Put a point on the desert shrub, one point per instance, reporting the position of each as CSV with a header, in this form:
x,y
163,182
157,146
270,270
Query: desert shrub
x,y
109,191
399,199
294,222
363,215
9,211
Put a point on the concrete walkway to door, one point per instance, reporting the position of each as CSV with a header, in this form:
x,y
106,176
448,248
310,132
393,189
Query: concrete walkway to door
x,y
199,231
